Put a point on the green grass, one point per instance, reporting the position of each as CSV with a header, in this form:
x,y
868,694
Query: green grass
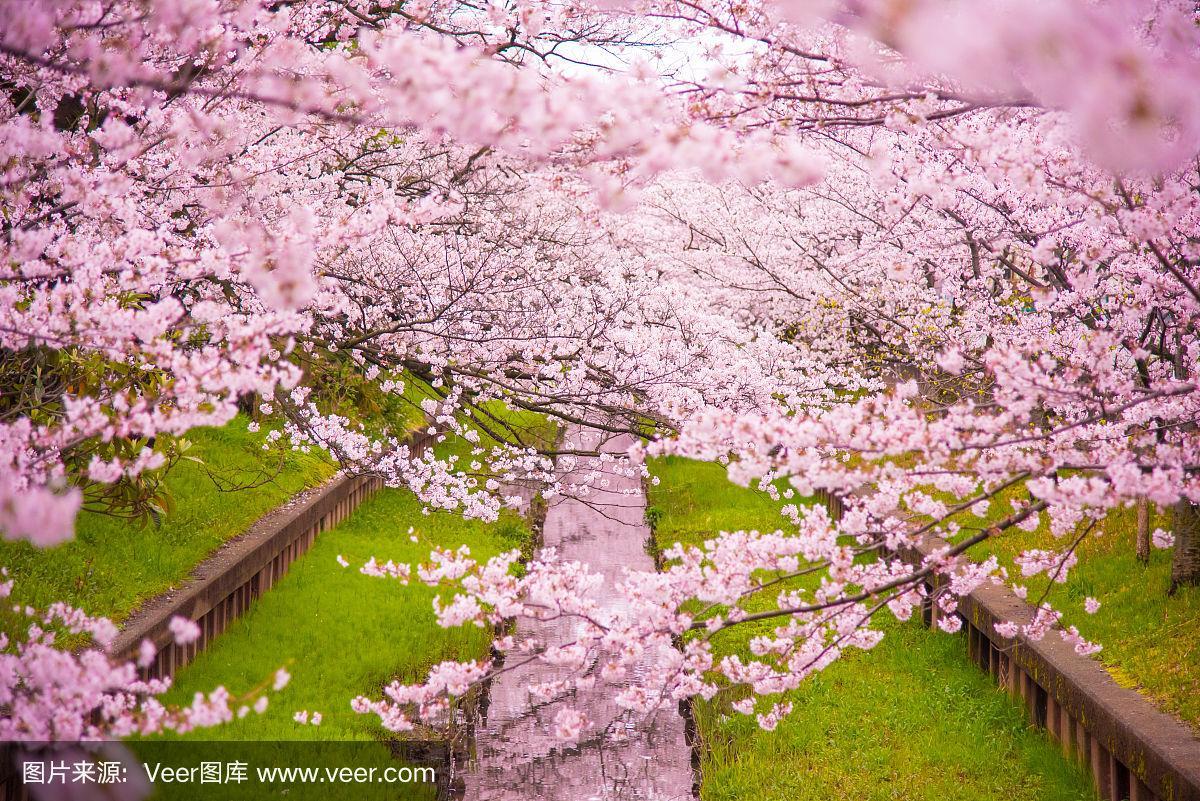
x,y
113,564
911,719
342,634
1149,640
696,499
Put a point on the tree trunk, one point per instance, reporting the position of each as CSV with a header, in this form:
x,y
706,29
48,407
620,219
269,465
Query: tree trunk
x,y
1185,564
1143,531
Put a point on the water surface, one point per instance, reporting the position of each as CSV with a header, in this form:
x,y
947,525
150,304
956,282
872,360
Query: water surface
x,y
517,754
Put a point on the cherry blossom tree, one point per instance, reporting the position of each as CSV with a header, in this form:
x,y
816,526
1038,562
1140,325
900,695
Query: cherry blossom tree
x,y
993,287
913,255
194,191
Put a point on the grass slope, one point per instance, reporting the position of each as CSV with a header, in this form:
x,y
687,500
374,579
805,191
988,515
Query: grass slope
x,y
341,634
913,719
1149,641
113,565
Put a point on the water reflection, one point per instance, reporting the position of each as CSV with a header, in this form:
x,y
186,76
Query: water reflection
x,y
516,753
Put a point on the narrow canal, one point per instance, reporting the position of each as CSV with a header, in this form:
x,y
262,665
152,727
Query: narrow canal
x,y
517,754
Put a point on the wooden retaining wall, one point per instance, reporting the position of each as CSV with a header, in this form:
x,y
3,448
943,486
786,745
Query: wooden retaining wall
x,y
224,586
1133,750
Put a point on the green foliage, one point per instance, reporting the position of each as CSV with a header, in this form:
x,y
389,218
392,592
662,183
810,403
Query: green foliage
x,y
34,383
654,516
340,387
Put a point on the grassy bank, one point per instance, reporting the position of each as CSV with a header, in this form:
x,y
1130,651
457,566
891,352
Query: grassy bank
x,y
341,634
226,483
1149,639
911,719
113,564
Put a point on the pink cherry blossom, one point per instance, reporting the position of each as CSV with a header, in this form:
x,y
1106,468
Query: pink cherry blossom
x,y
1162,539
184,630
569,724
936,259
